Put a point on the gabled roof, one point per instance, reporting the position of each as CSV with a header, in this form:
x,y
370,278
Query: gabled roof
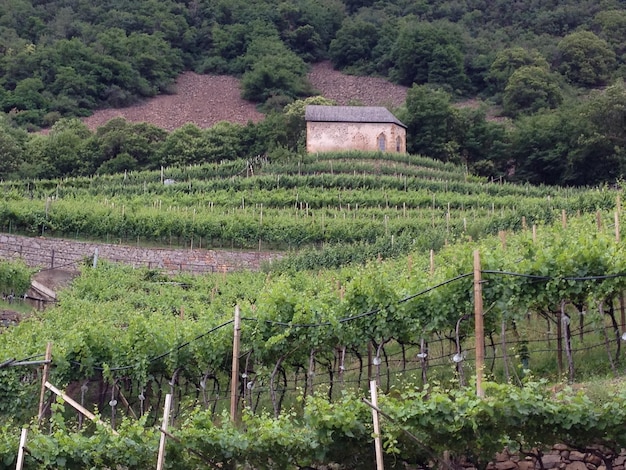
x,y
372,114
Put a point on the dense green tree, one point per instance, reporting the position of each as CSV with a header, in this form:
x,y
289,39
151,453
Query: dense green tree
x,y
559,19
540,145
118,164
530,89
308,27
430,121
483,145
424,48
186,145
354,5
325,16
266,136
446,68
507,61
154,59
610,25
64,151
27,103
305,42
600,154
354,45
275,75
138,141
12,143
224,142
228,47
273,69
585,59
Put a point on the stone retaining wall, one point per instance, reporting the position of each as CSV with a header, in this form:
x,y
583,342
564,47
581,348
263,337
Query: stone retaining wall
x,y
46,252
560,457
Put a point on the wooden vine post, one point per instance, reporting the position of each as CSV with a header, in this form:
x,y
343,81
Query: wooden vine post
x,y
378,445
21,450
164,425
622,308
44,379
78,407
234,388
478,325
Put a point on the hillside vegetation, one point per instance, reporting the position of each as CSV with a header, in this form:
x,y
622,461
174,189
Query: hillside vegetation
x,y
333,208
544,64
389,256
310,341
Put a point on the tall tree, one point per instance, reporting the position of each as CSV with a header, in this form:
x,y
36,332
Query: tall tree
x,y
530,89
507,61
430,121
354,44
12,143
428,51
585,59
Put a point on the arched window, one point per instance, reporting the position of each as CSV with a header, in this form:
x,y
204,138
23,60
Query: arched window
x,y
398,144
382,142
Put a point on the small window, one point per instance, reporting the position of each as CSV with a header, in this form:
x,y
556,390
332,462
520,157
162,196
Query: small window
x,y
382,143
398,144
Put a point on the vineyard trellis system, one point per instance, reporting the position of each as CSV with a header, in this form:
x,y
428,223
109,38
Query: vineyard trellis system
x,y
552,307
518,347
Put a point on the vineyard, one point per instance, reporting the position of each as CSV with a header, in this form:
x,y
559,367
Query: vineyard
x,y
552,273
346,207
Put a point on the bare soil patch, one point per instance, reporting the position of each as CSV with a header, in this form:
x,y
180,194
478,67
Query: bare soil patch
x,y
205,100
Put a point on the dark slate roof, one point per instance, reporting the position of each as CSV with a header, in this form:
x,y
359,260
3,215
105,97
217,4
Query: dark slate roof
x,y
376,114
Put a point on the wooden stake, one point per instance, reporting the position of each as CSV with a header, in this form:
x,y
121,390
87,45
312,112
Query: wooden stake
x,y
166,419
432,262
77,406
125,401
20,451
534,233
599,220
44,379
234,388
622,307
369,360
478,325
559,342
378,445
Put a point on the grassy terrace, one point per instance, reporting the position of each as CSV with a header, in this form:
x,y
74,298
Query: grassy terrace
x,y
395,202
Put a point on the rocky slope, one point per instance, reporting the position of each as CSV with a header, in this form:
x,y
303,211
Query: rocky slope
x,y
207,99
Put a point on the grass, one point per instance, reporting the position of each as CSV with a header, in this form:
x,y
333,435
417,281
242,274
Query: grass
x,y
18,306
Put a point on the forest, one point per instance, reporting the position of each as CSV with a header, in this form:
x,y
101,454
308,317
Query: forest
x,y
552,71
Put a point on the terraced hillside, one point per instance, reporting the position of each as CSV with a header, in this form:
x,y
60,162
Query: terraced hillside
x,y
359,205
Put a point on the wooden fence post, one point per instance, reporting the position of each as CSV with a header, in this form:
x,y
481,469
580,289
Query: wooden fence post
x,y
78,407
478,324
378,445
234,388
20,452
44,379
622,308
164,425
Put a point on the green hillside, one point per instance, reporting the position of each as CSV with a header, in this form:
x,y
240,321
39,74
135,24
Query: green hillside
x,y
478,280
544,66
